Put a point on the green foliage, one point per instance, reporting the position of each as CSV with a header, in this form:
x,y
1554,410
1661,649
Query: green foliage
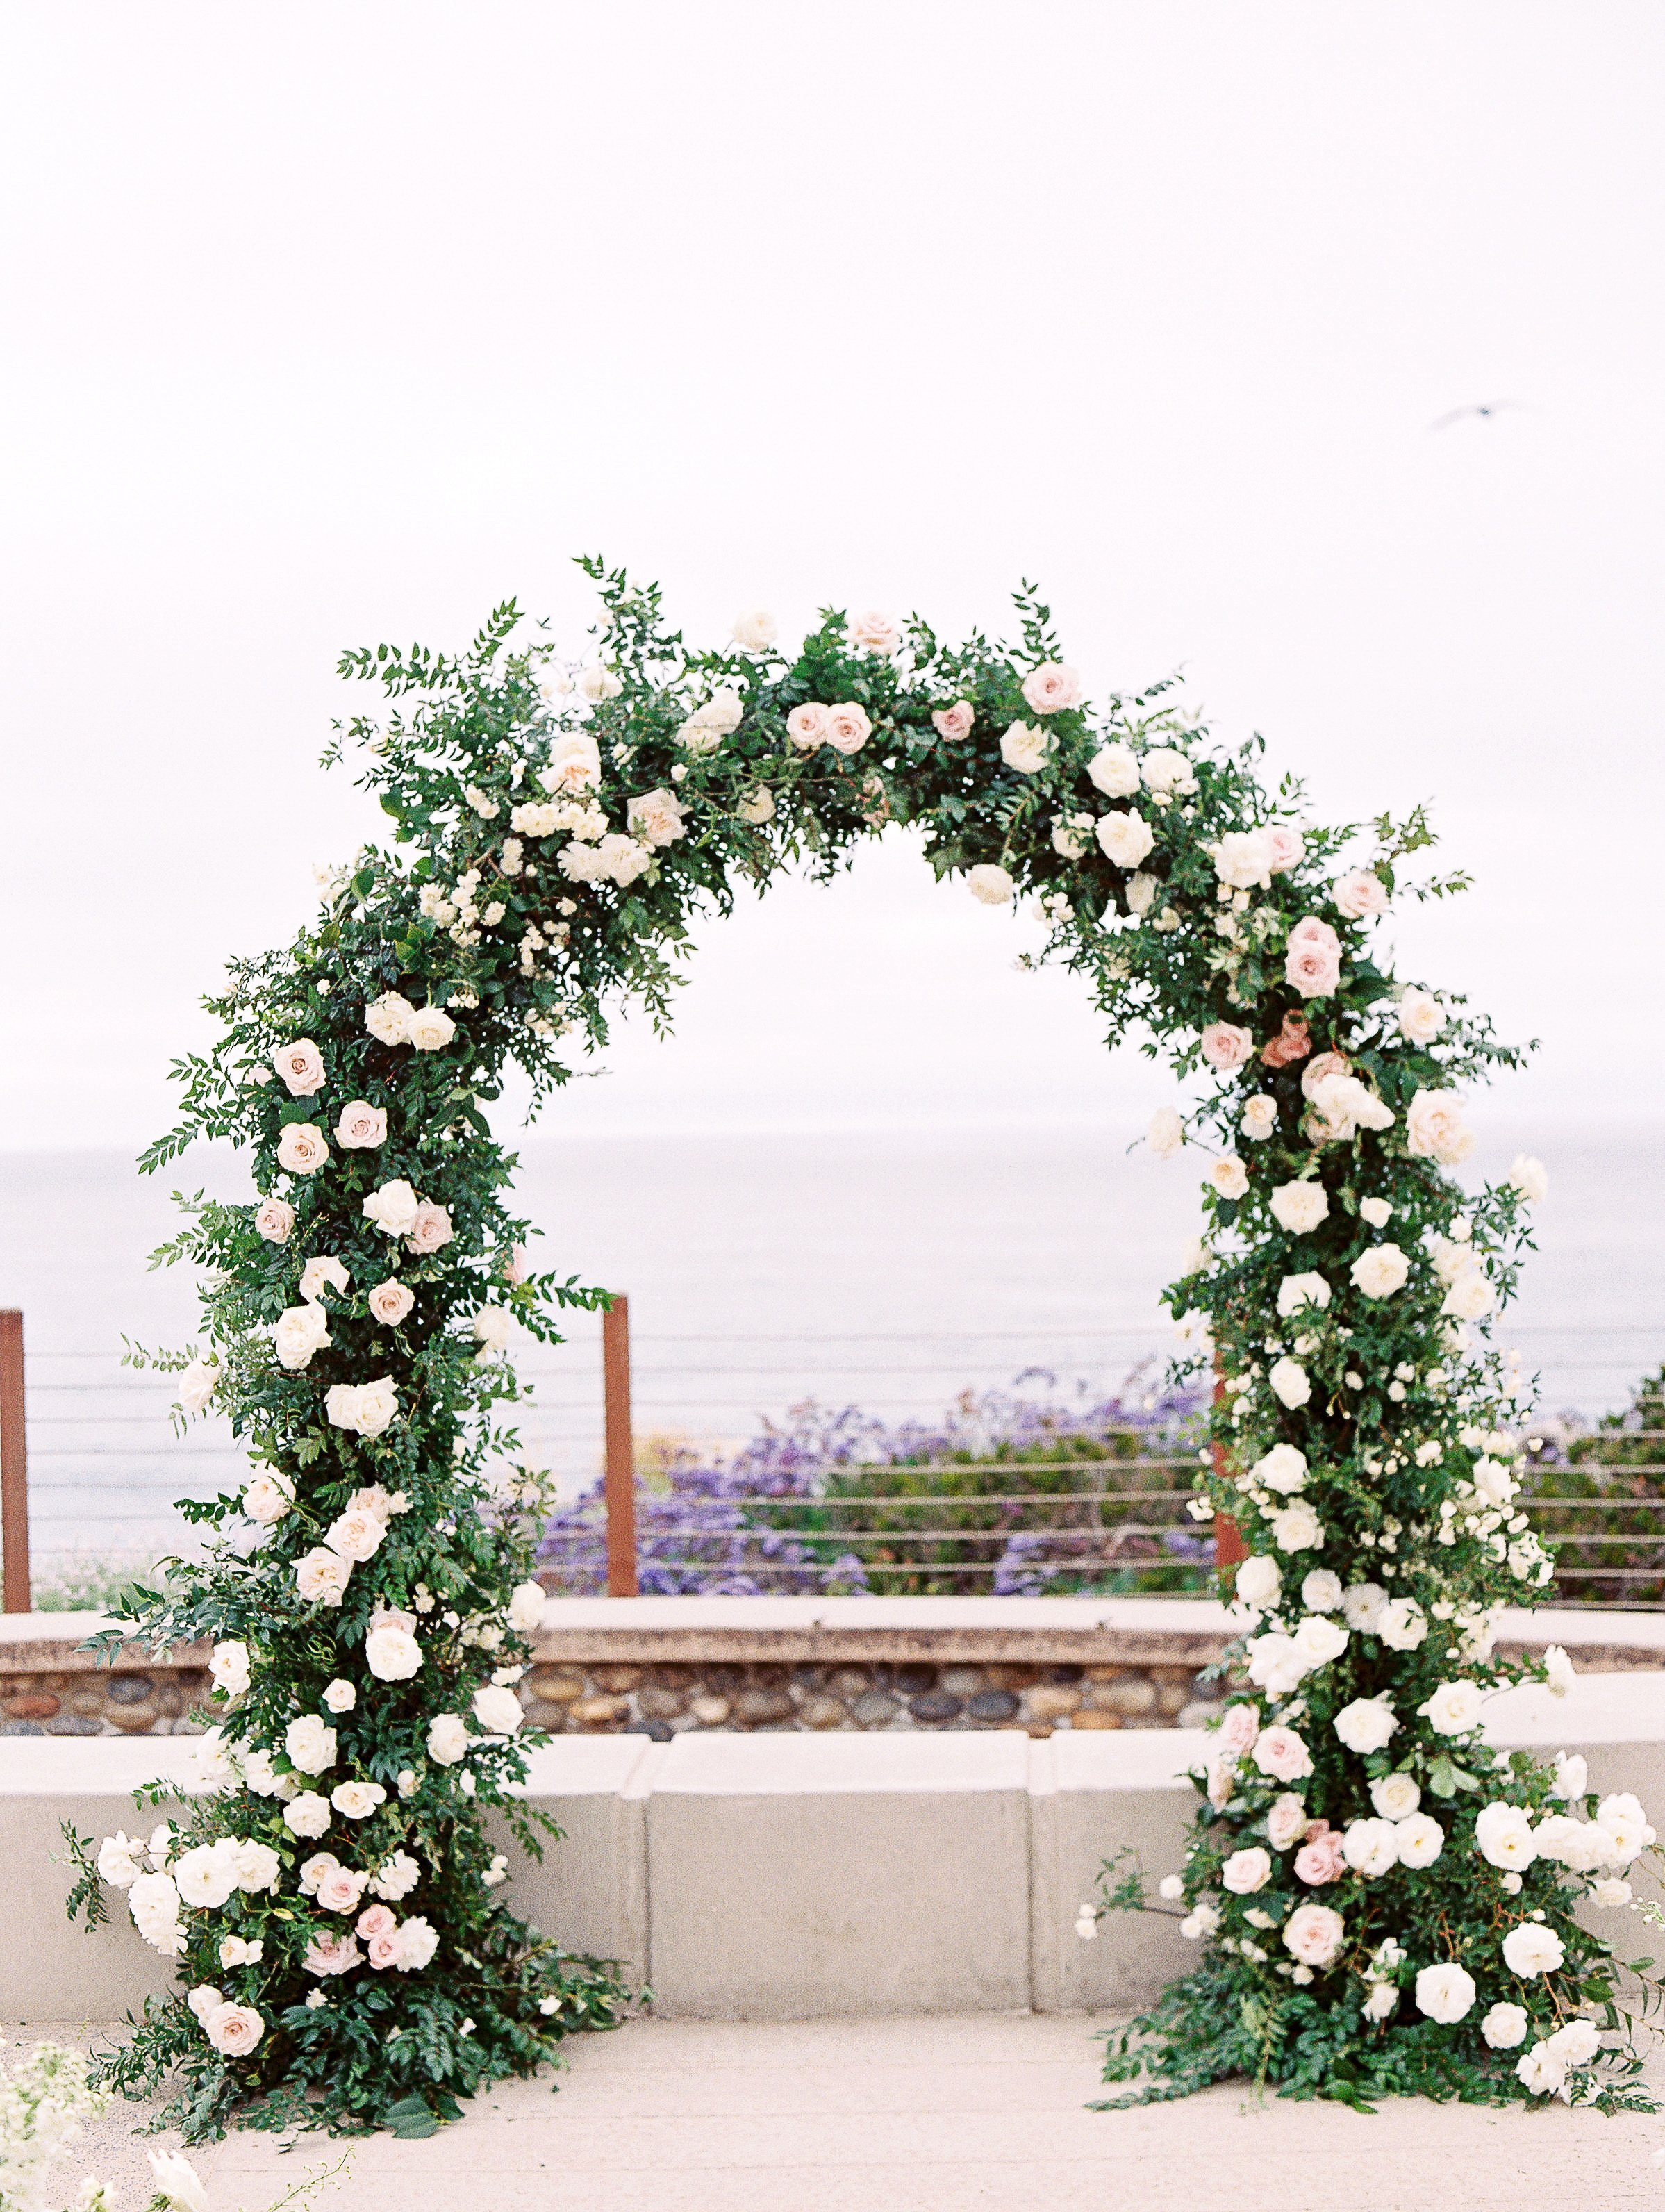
x,y
556,834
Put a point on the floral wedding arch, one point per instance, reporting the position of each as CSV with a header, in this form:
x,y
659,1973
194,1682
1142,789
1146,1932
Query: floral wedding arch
x,y
1382,1902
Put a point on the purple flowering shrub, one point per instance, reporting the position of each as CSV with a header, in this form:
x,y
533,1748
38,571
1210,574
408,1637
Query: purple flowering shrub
x,y
999,1496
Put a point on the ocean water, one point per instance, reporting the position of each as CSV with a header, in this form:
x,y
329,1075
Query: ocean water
x,y
888,1268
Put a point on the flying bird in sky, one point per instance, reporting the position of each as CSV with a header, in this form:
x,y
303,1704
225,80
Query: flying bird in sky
x,y
1460,414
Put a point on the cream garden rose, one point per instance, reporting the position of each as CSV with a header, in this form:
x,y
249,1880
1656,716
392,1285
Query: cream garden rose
x,y
1125,838
1025,748
302,1149
991,885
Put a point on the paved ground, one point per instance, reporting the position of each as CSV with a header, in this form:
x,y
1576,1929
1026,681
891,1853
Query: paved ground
x,y
929,2115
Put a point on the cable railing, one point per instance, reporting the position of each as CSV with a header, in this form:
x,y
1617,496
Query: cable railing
x,y
1088,1490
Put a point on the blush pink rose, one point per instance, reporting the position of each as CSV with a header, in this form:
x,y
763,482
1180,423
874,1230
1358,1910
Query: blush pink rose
x,y
275,1221
301,1067
1285,845
375,1920
847,727
954,721
1361,893
385,1950
1319,1859
875,633
1326,1065
1282,1754
1239,1728
389,1302
362,1126
339,1889
1312,964
331,1954
431,1228
1225,1046
1314,1933
806,726
1287,1821
1291,1043
1052,687
1221,1782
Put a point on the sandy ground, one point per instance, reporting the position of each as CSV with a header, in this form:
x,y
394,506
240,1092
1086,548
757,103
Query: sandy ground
x,y
926,2115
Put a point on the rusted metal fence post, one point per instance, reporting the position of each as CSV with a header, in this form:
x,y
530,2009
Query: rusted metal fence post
x,y
1229,1546
620,1488
14,1467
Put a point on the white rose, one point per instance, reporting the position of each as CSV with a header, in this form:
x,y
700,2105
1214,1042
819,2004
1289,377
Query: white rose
x,y
1381,1271
378,1405
298,1333
1275,1665
598,683
1402,1625
322,1274
447,1739
392,1655
1531,1948
1370,1847
431,1028
418,1941
1300,1207
118,1859
154,1903
1125,838
310,1744
356,1800
991,885
1138,891
1610,1893
1025,748
1421,1840
1165,1134
493,1327
355,1535
1530,1177
392,1208
1298,1528
1503,1837
1375,1211
1260,1116
1626,1823
206,1876
526,1607
1470,1297
307,1815
497,1709
1383,2001
1319,1639
1321,1591
757,806
229,1666
1365,1725
1229,1176
573,765
1454,1709
657,818
388,1018
1243,858
320,1576
197,1383
396,1878
1165,769
754,629
1571,1774
1258,1582
1395,1796
1445,1993
1435,1129
1115,771
267,1497
1297,1291
1290,1383
1246,1871
1283,1469
1420,1016
1504,2027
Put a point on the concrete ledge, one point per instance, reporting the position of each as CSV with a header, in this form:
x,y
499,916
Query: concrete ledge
x,y
789,1875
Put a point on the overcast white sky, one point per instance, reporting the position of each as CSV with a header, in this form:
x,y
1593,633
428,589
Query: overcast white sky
x,y
327,325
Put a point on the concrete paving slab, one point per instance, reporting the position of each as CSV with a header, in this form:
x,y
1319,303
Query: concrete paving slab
x,y
939,2114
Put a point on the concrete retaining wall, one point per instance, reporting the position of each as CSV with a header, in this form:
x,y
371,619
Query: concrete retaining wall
x,y
789,1875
